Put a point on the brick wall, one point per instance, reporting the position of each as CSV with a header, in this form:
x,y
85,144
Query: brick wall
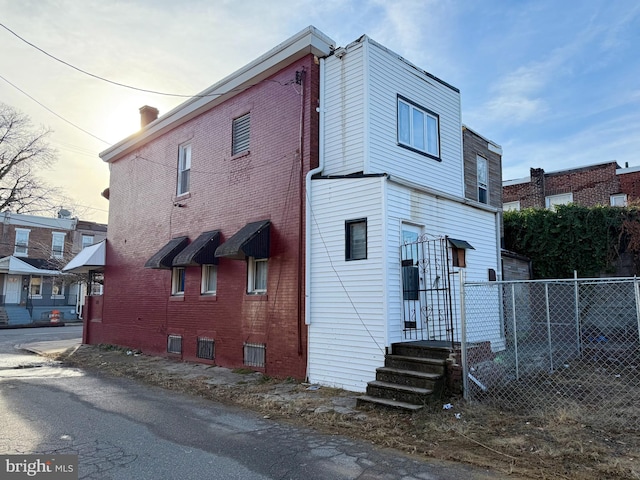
x,y
226,192
40,240
630,184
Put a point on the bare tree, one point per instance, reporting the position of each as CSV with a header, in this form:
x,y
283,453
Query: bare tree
x,y
23,150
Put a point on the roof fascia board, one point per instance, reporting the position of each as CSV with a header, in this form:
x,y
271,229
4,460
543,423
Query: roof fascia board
x,y
308,41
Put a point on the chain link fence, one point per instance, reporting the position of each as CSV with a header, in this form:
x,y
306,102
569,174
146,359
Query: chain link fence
x,y
530,346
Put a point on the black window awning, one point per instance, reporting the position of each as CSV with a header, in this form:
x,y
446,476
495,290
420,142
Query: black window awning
x,y
252,240
199,252
164,257
460,243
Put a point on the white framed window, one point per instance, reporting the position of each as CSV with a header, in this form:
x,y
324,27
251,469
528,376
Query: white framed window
x,y
177,280
241,129
418,128
483,179
257,275
21,248
619,200
57,244
184,169
57,288
507,206
209,279
554,200
35,287
355,232
87,241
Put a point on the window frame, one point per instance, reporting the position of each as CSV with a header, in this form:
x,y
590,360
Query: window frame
x,y
511,206
178,281
183,184
613,198
253,276
482,167
18,245
57,281
550,205
39,284
349,254
410,143
85,244
54,236
205,285
241,134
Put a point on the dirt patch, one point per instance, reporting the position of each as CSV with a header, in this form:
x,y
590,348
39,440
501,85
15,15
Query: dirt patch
x,y
560,443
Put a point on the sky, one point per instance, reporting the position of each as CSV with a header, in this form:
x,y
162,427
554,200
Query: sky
x,y
555,83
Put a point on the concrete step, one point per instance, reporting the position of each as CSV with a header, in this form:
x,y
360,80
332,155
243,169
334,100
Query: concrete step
x,y
366,400
400,393
419,350
426,365
409,378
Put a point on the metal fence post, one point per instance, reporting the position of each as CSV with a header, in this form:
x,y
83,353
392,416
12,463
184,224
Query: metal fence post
x,y
637,295
546,294
463,338
577,305
515,329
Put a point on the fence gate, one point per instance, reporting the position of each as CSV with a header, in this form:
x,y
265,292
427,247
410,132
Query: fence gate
x,y
428,294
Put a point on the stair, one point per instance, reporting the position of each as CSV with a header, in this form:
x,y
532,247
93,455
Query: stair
x,y
4,318
413,374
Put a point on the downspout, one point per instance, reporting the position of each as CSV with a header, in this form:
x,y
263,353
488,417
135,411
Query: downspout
x,y
307,236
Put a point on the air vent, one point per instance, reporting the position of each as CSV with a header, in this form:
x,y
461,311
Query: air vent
x,y
206,348
174,344
255,354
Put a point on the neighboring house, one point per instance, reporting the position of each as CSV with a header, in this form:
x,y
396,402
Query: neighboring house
x,y
599,184
298,217
32,251
482,168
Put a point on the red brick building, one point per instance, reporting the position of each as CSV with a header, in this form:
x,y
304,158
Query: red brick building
x,y
600,184
204,201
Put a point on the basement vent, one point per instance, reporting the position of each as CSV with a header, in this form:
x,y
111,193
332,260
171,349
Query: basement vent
x,y
205,348
174,344
255,354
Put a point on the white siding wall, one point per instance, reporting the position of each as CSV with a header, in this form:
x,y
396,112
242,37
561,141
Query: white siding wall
x,y
361,119
347,334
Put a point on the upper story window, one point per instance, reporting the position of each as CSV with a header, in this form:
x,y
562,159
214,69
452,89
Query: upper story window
x,y
257,275
87,241
554,200
57,244
184,169
21,248
418,128
177,280
209,279
355,239
483,182
619,200
507,206
240,134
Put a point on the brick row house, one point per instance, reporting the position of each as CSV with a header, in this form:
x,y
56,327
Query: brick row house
x,y
32,252
279,219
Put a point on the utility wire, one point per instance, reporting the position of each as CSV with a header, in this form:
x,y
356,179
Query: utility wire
x,y
54,113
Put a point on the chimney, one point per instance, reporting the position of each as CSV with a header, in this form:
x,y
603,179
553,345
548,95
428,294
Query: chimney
x,y
147,115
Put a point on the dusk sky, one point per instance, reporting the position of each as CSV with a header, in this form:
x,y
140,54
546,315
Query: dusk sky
x,y
555,83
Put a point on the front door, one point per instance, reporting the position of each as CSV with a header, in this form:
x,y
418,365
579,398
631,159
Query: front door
x,y
12,289
411,279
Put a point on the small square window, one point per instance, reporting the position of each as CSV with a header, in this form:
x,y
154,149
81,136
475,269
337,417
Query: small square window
x,y
619,200
240,134
184,169
257,275
177,281
209,279
356,239
87,241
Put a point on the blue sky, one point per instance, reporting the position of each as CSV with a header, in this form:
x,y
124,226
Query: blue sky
x,y
557,84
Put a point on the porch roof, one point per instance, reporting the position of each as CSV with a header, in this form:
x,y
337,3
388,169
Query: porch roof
x,y
89,258
16,266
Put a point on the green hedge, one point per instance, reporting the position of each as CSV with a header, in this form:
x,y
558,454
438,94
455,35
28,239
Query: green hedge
x,y
586,239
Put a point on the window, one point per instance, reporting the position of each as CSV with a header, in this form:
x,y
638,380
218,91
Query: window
x,y
418,128
240,134
483,189
355,239
35,287
553,200
619,200
184,169
257,275
57,288
174,344
209,279
22,243
507,206
255,354
177,281
87,240
57,245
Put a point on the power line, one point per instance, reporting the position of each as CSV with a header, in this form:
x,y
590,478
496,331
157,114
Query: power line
x,y
54,113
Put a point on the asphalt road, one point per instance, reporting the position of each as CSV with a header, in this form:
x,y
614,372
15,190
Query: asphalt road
x,y
122,429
